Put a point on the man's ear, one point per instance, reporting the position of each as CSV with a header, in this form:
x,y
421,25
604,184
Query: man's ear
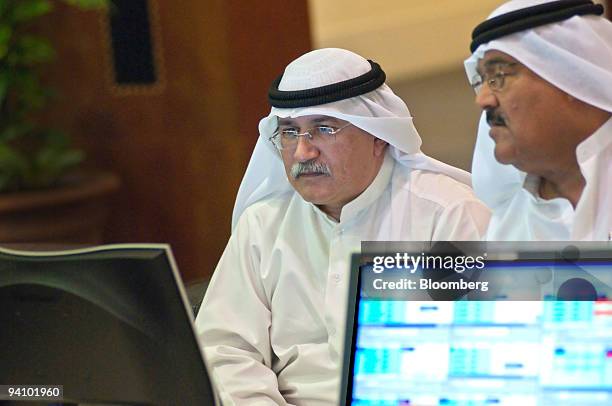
x,y
379,146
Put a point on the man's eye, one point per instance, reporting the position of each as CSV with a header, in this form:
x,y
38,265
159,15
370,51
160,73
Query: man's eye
x,y
289,133
326,130
496,77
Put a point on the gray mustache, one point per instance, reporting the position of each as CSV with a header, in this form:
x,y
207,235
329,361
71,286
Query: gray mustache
x,y
309,167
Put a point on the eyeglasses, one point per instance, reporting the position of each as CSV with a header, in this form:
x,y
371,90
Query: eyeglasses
x,y
319,136
495,79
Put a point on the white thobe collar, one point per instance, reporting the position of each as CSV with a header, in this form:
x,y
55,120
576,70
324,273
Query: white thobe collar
x,y
596,143
366,198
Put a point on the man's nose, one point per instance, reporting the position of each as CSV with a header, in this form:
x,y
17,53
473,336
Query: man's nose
x,y
486,98
304,149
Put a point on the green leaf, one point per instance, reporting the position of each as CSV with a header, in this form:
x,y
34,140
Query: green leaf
x,y
51,163
15,130
88,4
11,158
57,139
31,50
5,36
13,165
68,159
57,159
4,5
27,89
26,10
5,181
4,84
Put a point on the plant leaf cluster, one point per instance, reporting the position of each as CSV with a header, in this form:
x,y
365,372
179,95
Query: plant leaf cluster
x,y
31,156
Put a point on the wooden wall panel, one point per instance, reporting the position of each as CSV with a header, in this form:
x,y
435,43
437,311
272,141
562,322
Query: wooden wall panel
x,y
180,149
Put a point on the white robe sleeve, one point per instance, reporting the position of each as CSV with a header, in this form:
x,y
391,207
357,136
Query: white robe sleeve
x,y
233,326
466,220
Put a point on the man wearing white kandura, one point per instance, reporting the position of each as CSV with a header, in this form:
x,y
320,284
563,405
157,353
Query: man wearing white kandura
x,y
542,71
338,162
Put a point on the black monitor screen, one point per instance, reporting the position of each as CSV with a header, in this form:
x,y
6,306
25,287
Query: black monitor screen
x,y
111,325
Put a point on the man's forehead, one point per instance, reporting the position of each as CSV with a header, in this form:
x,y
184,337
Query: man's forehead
x,y
305,120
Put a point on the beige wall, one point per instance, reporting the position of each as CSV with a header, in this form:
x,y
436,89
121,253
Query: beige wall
x,y
409,38
444,113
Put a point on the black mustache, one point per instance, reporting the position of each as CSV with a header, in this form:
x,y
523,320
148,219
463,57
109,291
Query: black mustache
x,y
494,118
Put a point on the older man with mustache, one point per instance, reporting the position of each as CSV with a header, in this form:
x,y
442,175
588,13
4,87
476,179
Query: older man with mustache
x,y
542,72
337,162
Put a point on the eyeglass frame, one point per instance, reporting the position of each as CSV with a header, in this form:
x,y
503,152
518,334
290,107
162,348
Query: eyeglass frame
x,y
478,80
275,138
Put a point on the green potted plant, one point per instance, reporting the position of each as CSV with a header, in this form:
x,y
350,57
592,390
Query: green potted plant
x,y
37,164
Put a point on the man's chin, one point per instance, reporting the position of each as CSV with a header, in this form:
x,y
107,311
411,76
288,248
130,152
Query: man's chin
x,y
316,197
503,155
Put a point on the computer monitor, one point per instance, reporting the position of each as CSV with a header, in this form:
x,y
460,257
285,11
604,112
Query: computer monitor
x,y
518,346
111,325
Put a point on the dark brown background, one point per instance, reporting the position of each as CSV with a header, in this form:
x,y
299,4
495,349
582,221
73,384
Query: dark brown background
x,y
180,147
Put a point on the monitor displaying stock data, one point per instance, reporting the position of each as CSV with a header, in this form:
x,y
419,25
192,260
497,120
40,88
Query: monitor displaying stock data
x,y
483,353
529,334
